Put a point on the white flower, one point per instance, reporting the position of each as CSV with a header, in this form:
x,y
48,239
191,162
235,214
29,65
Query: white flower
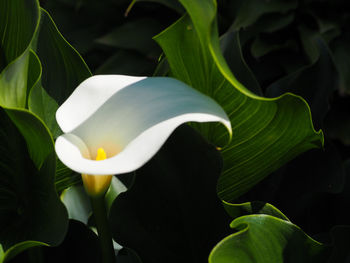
x,y
129,118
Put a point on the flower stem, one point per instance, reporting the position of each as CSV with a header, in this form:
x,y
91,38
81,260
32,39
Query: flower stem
x,y
102,225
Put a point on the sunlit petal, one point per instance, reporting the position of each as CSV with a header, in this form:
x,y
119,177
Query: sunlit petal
x,y
88,97
131,124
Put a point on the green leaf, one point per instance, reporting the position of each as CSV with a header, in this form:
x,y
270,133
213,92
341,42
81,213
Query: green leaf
x,y
40,103
266,132
162,68
264,238
62,66
31,210
232,51
18,22
256,207
65,177
34,72
18,248
115,189
45,107
30,207
13,82
78,204
63,69
38,139
59,69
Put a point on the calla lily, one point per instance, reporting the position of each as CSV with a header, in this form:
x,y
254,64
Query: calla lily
x,y
129,118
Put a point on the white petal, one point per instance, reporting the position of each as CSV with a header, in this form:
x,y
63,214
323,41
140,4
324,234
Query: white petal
x,y
133,124
88,97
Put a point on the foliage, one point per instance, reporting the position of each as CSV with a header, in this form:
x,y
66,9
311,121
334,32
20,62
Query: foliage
x,y
278,68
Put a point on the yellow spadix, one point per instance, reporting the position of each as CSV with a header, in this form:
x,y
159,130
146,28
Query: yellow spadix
x,y
96,185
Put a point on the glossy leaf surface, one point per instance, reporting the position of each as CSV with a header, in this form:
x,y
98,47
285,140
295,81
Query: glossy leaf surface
x,y
27,182
63,67
263,238
18,22
266,132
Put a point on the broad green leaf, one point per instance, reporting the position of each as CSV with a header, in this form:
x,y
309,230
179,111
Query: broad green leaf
x,y
78,204
18,248
162,69
63,69
266,132
18,22
264,238
115,189
65,177
39,102
13,82
34,73
45,107
30,207
60,69
62,66
38,139
232,51
256,207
